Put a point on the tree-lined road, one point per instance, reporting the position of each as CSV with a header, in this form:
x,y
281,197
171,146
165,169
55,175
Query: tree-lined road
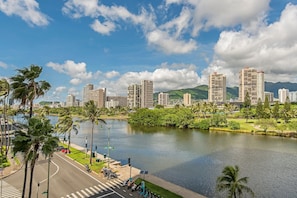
x,y
69,179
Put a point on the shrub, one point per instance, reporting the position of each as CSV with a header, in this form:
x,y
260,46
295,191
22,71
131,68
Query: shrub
x,y
234,125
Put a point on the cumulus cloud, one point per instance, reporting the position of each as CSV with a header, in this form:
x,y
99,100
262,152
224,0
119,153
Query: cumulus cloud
x,y
103,28
165,78
112,74
77,71
272,48
175,34
28,10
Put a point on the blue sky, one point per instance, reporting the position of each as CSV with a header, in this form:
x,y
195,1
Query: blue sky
x,y
175,43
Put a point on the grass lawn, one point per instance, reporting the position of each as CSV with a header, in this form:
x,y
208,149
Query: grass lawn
x,y
158,190
83,159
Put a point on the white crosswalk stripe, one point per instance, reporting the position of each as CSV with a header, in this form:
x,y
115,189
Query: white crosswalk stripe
x,y
83,192
92,190
79,194
8,191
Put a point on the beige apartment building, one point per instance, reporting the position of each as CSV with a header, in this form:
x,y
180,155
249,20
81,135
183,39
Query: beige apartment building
x,y
86,93
99,97
141,95
147,94
133,96
163,99
251,81
217,88
187,99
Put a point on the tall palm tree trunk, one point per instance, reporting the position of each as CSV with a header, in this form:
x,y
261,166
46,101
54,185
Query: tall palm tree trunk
x,y
68,150
31,176
91,149
25,179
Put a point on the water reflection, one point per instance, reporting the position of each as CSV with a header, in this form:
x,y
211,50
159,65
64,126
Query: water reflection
x,y
194,159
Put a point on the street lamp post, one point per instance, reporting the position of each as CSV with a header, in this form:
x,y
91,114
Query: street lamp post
x,y
48,175
86,146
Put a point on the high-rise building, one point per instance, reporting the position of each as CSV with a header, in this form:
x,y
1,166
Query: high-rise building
x,y
217,88
282,95
187,99
269,95
163,99
147,91
99,97
141,95
86,93
133,98
251,81
293,96
70,101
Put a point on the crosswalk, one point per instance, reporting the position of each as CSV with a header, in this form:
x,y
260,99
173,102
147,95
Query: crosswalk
x,y
100,189
8,191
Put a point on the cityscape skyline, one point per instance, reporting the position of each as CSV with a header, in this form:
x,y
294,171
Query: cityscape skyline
x,y
174,43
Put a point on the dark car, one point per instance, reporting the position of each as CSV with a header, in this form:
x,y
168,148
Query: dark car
x,y
59,148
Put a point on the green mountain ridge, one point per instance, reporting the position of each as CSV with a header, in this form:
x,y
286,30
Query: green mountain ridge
x,y
200,92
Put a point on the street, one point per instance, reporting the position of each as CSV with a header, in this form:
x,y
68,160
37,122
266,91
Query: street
x,y
67,179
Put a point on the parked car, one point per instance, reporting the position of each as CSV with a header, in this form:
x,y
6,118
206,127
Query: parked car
x,y
59,148
65,150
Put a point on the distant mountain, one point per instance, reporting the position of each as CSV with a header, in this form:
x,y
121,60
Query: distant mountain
x,y
198,93
201,92
274,87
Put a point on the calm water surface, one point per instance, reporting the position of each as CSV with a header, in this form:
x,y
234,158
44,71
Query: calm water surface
x,y
194,159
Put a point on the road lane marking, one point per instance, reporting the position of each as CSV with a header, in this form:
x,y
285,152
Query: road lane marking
x,y
58,168
95,191
99,189
73,195
79,194
86,194
86,189
69,162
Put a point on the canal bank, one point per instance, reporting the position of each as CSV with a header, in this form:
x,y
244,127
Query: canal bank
x,y
125,172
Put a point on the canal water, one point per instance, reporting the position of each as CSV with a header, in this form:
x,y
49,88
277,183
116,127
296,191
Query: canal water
x,y
194,159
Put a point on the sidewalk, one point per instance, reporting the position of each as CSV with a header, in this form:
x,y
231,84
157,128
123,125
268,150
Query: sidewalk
x,y
124,173
14,167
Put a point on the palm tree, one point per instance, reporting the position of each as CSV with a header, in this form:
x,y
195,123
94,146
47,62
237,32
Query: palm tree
x,y
92,113
4,92
230,181
26,89
38,136
66,124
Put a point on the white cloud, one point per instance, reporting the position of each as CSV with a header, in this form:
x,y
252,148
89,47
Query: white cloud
x,y
3,65
169,45
165,78
112,74
75,81
77,71
103,28
172,36
28,10
272,48
225,13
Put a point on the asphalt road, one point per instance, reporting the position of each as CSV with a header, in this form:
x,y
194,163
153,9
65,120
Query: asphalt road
x,y
69,179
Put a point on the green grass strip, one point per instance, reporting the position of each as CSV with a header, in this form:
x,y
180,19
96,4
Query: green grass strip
x,y
83,158
158,190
